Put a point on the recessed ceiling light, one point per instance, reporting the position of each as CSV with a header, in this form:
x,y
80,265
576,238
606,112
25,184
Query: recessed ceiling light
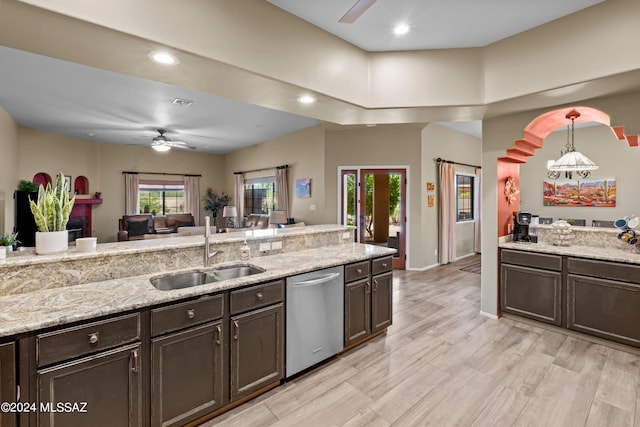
x,y
401,29
163,58
306,99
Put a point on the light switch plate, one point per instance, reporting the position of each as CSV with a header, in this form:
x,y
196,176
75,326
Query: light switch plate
x,y
346,235
276,245
265,247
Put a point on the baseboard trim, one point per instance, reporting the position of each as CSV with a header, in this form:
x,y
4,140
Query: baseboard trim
x,y
429,267
489,315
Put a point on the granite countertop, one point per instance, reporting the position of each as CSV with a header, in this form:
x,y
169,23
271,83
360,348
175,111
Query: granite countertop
x,y
29,257
628,255
53,307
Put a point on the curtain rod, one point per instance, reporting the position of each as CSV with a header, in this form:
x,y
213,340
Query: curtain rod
x,y
439,160
263,169
162,173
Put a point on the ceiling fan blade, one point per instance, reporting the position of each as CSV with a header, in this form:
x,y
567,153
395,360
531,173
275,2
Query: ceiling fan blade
x,y
180,144
356,11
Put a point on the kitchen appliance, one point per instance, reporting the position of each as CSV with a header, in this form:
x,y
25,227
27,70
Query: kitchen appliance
x,y
314,318
521,222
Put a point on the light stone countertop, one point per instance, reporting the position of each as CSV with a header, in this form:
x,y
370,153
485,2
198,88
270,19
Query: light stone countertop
x,y
53,307
628,255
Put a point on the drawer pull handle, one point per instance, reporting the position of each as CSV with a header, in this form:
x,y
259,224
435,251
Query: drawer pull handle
x,y
260,296
359,270
384,265
134,364
218,334
93,338
236,331
375,285
191,313
368,288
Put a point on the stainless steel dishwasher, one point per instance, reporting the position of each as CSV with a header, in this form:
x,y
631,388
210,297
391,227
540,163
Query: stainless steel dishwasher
x,y
315,318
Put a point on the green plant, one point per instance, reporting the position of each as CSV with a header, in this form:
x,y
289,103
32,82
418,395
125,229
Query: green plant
x,y
9,239
25,185
214,202
52,210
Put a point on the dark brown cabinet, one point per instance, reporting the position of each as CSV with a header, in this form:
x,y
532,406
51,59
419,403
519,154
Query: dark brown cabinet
x,y
8,381
368,299
105,390
257,338
531,286
187,365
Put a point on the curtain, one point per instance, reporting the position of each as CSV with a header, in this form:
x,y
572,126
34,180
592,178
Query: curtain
x,y
192,197
238,196
447,212
131,195
282,189
477,242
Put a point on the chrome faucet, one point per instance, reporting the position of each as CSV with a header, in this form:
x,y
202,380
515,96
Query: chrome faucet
x,y
207,249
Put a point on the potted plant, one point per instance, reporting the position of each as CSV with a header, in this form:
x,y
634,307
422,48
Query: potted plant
x,y
25,185
51,213
214,202
9,240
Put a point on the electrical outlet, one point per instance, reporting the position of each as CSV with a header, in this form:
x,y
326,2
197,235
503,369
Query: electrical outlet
x,y
312,207
276,245
346,235
265,247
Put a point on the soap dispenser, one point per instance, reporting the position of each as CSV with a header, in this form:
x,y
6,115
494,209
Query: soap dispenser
x,y
245,252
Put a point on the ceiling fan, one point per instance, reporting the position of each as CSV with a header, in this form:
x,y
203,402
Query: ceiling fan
x,y
162,143
356,11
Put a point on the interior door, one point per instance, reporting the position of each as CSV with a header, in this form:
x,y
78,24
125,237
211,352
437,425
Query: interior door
x,y
349,199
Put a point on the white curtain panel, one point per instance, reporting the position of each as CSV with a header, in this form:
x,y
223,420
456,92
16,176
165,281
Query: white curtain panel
x,y
131,194
282,190
238,196
477,242
192,197
447,212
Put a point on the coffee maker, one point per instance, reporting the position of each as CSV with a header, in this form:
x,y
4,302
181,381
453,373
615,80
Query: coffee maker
x,y
521,222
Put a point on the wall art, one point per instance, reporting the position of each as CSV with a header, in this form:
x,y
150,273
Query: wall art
x,y
600,192
303,188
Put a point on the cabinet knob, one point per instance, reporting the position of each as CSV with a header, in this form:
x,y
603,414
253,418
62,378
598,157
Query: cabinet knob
x,y
191,313
260,296
359,270
385,265
93,338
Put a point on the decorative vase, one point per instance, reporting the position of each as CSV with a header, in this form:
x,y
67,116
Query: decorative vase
x,y
52,242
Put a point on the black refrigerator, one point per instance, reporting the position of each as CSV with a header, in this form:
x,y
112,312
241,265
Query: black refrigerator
x,y
23,222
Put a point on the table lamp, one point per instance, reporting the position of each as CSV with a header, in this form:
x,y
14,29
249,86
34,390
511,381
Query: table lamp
x,y
230,212
278,218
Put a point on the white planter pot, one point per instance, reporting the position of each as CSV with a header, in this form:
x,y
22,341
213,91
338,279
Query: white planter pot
x,y
53,242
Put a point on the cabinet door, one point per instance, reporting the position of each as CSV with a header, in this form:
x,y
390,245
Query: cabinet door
x,y
357,311
381,301
187,374
531,292
605,308
257,349
7,381
108,382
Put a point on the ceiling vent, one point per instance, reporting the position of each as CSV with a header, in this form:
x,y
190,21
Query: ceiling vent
x,y
182,102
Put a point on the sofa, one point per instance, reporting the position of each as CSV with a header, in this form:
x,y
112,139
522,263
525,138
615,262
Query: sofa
x,y
135,227
256,221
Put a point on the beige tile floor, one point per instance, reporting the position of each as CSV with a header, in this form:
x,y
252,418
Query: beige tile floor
x,y
443,364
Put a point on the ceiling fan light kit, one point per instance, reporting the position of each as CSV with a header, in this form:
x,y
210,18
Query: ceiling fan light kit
x,y
161,147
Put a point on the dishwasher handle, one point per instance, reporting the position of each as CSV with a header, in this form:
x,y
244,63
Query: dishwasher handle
x,y
317,281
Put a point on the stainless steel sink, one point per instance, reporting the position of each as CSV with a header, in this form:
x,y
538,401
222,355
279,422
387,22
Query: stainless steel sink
x,y
194,278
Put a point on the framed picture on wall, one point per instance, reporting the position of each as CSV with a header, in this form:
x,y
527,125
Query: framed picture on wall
x,y
599,192
303,188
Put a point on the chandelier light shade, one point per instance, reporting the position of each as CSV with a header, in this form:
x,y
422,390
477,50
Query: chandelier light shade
x,y
572,160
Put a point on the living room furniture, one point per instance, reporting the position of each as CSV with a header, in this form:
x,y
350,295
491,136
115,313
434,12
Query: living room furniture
x,y
134,227
257,221
196,230
230,212
278,218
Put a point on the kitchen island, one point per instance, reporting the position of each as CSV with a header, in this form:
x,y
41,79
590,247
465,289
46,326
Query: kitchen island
x,y
593,290
90,327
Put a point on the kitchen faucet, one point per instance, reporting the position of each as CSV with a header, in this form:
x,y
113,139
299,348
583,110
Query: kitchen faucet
x,y
207,250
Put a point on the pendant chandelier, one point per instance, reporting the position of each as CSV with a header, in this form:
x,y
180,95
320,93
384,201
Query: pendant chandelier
x,y
572,160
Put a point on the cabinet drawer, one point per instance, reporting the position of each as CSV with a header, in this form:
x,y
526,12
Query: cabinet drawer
x,y
532,259
381,265
608,270
356,271
72,342
185,314
257,296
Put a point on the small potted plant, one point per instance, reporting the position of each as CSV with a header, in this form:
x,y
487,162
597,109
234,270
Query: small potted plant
x,y
9,240
51,213
25,185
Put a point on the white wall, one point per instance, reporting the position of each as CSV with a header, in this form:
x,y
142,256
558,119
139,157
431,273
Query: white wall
x,y
615,159
8,169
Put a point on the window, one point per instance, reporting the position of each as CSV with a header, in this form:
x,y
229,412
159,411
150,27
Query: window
x,y
464,197
260,195
161,197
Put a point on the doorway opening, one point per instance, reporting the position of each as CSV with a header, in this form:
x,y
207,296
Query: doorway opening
x,y
374,201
